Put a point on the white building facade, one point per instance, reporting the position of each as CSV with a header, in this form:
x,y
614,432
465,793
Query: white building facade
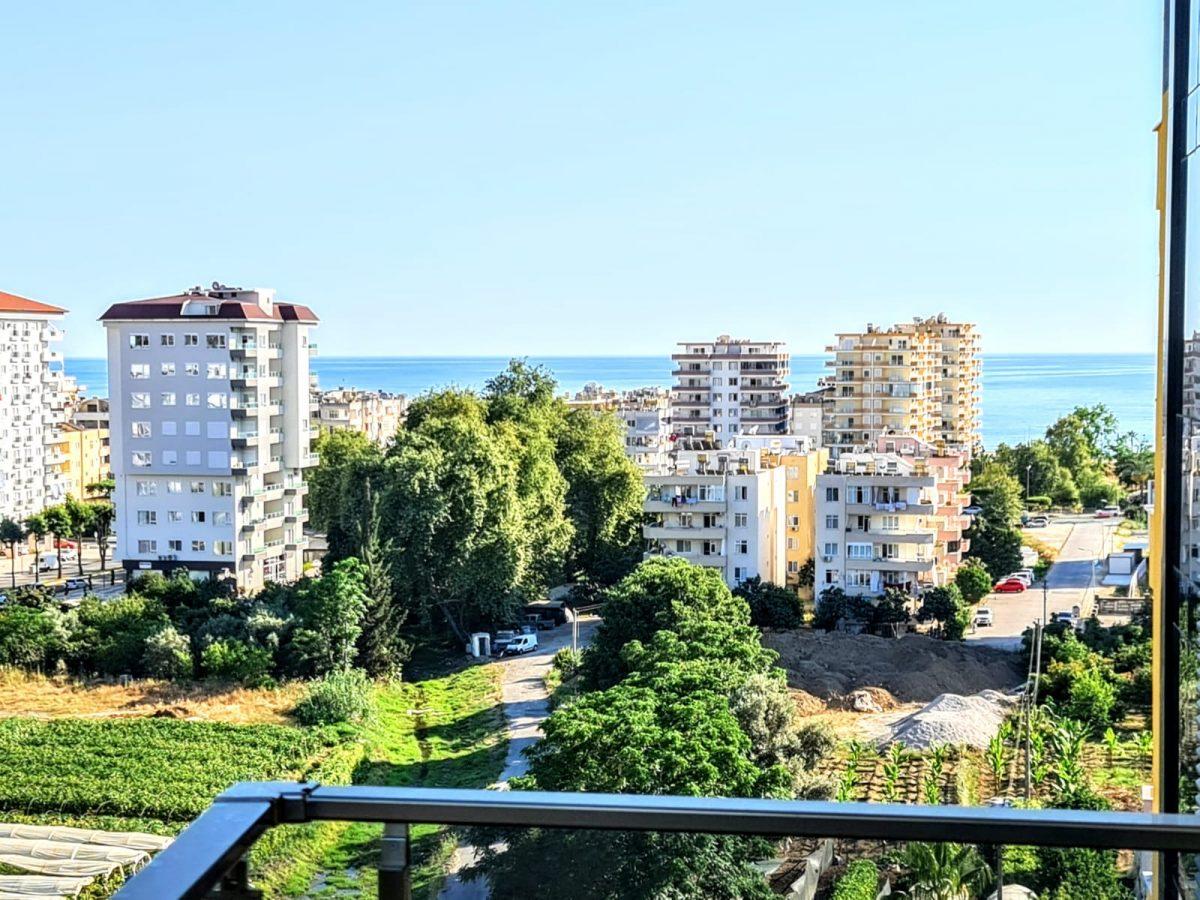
x,y
33,406
729,387
722,509
646,417
210,433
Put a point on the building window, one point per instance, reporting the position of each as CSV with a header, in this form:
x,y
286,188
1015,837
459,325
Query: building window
x,y
832,522
740,520
742,547
218,400
683,546
170,428
221,519
139,370
793,567
142,458
222,489
217,370
166,340
168,398
170,457
198,546
174,515
147,517
831,549
198,517
146,488
191,368
139,429
223,548
860,551
192,399
831,495
741,492
215,341
858,579
890,551
831,576
191,340
167,369
139,341
174,487
139,400
191,428
175,546
147,546
739,574
791,543
197,487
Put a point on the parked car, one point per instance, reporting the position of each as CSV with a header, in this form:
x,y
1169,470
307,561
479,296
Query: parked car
x,y
75,584
1065,618
525,643
1037,522
1108,512
983,617
503,638
1010,586
973,510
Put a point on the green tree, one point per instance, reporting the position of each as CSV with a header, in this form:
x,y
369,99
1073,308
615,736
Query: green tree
x,y
100,527
1098,489
1084,436
973,580
329,613
997,493
1035,465
37,526
31,638
604,496
80,518
945,605
998,547
382,649
11,534
348,460
1133,461
103,488
771,605
766,713
110,636
892,607
662,594
59,525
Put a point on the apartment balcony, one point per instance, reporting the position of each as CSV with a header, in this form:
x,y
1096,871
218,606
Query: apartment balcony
x,y
295,516
691,403
212,850
914,509
880,564
690,504
682,533
312,350
241,465
878,535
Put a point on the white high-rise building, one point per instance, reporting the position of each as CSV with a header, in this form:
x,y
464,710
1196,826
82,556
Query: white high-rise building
x,y
721,508
33,402
729,387
645,415
210,429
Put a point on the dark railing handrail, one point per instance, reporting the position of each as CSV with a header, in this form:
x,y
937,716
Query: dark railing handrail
x,y
213,845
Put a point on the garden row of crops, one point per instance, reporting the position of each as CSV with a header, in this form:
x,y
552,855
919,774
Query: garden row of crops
x,y
156,768
896,774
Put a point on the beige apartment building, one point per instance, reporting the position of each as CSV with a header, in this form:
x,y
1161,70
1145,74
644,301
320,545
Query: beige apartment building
x,y
891,516
801,470
377,414
920,378
730,387
84,454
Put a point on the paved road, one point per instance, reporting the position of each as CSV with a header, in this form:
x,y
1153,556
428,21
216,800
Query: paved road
x,y
526,706
1069,583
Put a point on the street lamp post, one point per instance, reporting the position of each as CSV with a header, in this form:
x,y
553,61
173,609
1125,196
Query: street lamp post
x,y
1028,468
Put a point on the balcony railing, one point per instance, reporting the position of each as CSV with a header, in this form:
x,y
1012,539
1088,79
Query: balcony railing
x,y
212,851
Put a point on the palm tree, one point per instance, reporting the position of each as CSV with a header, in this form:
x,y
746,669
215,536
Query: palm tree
x,y
11,533
944,871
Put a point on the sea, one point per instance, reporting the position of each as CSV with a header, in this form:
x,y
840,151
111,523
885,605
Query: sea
x,y
1022,393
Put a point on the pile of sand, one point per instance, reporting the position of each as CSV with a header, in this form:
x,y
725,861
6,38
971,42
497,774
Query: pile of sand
x,y
954,720
912,668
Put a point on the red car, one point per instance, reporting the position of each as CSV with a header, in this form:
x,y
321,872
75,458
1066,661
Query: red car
x,y
1010,586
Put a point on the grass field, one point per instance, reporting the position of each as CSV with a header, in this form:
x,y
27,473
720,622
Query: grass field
x,y
442,732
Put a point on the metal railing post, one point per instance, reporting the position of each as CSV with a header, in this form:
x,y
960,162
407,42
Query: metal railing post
x,y
395,863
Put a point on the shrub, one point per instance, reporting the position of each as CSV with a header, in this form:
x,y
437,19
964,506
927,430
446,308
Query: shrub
x,y
237,661
340,696
31,638
567,661
110,636
771,606
973,580
860,882
168,654
1090,698
1039,501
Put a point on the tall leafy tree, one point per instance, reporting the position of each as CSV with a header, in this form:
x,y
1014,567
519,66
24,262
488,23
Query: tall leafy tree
x,y
80,518
604,496
382,649
335,488
11,533
329,611
37,526
59,525
100,527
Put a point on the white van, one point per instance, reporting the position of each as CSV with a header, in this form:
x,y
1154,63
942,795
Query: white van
x,y
522,643
47,562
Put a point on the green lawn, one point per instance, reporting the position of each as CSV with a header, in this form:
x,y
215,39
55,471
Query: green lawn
x,y
442,732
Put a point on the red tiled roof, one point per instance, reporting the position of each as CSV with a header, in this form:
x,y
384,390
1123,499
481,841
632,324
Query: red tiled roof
x,y
11,303
172,308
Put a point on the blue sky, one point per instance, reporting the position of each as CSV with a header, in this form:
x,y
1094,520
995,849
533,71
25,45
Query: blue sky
x,y
580,178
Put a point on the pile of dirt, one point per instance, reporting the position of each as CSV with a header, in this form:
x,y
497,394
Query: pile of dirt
x,y
913,668
806,703
954,720
867,699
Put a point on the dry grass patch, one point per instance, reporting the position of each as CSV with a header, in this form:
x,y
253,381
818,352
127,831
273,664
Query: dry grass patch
x,y
40,696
